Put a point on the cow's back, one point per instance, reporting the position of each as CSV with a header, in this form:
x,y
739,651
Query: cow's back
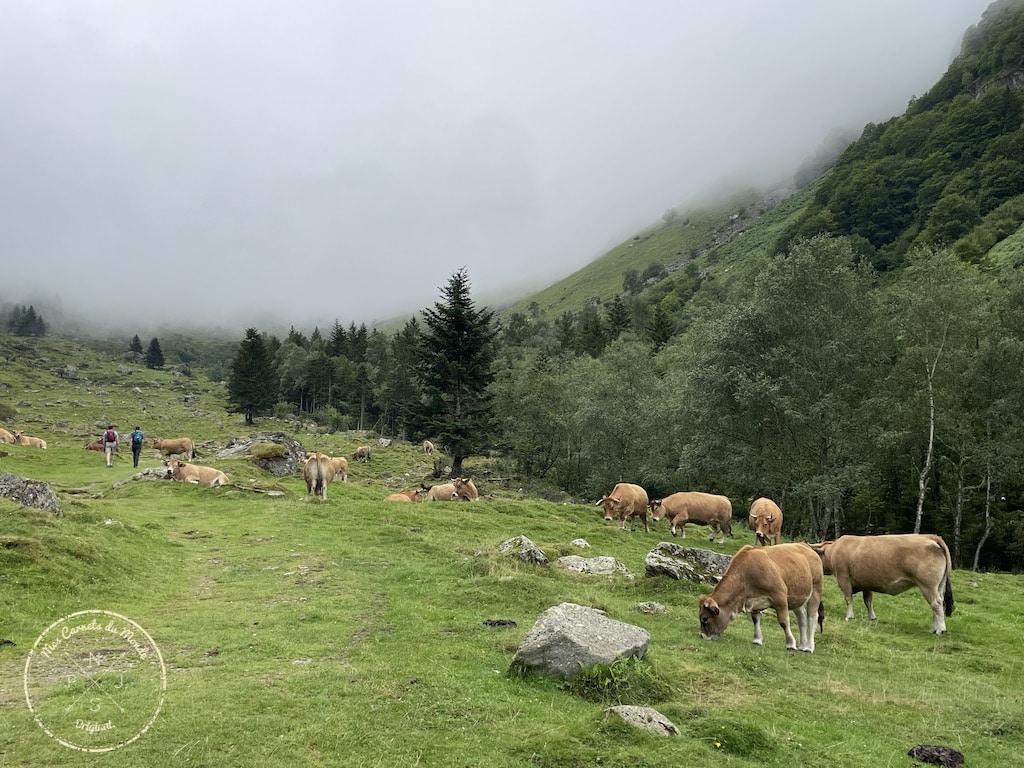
x,y
877,562
634,497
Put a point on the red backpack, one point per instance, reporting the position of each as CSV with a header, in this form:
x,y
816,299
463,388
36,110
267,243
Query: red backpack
x,y
111,436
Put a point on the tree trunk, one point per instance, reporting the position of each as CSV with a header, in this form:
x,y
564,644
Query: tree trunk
x,y
922,479
988,517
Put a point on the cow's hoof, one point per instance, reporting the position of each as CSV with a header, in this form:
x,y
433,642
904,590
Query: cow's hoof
x,y
758,642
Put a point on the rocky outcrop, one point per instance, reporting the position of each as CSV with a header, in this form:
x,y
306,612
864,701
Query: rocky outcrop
x,y
701,566
278,465
29,493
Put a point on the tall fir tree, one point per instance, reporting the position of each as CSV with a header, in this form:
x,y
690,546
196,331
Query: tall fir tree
x,y
252,385
154,355
456,367
136,344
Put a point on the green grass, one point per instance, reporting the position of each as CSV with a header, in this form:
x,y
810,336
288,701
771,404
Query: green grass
x,y
351,633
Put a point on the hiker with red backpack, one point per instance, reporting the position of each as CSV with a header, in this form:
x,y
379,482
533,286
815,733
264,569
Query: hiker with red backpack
x,y
110,438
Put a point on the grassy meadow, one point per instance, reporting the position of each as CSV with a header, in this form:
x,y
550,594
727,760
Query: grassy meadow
x,y
351,632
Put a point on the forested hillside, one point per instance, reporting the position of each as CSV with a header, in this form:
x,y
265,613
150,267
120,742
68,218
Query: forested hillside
x,y
853,349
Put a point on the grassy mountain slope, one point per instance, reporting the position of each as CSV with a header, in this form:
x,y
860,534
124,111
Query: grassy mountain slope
x,y
352,633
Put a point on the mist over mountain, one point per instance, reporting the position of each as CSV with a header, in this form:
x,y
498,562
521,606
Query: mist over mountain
x,y
195,167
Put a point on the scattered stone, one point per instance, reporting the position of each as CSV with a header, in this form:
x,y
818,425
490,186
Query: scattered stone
x,y
701,566
384,442
524,549
581,543
645,718
499,622
29,493
595,566
567,637
651,607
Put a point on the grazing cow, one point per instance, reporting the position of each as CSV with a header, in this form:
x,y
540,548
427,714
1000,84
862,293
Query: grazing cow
x,y
465,488
766,522
179,446
340,466
697,508
443,492
626,501
428,448
194,473
94,445
785,578
891,564
415,494
22,439
362,453
6,437
318,474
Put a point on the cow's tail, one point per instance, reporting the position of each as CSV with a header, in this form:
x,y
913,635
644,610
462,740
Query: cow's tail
x,y
947,597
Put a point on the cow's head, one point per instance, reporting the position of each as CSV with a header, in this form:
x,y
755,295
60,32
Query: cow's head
x,y
763,525
611,506
824,550
713,620
172,466
657,509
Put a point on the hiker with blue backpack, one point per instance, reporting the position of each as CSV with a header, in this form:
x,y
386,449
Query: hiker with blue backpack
x,y
137,438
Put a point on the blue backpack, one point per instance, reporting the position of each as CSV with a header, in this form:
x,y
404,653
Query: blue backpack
x,y
137,437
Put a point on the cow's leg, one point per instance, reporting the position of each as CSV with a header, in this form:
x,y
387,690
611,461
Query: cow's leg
x,y
869,603
934,598
782,611
807,616
847,591
755,617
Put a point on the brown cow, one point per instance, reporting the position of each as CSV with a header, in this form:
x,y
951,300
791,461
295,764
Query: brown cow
x,y
179,446
414,494
194,473
891,564
94,445
428,448
318,474
339,464
465,488
785,578
697,508
22,439
626,500
766,522
443,492
362,453
6,437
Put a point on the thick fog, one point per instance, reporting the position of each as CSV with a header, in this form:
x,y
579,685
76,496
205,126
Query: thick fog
x,y
247,162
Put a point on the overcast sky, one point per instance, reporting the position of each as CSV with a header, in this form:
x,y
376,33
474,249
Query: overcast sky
x,y
247,162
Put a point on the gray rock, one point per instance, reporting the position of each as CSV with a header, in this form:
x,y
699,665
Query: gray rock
x,y
279,466
524,549
29,493
595,566
645,718
581,543
701,566
569,636
651,607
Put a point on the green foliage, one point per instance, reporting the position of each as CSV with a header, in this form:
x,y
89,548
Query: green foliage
x,y
456,367
252,387
623,681
154,355
136,344
25,321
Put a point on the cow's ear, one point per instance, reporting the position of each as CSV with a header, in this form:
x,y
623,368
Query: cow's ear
x,y
714,608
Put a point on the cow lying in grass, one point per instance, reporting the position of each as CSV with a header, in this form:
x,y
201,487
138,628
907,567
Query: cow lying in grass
x,y
414,494
20,438
442,492
194,473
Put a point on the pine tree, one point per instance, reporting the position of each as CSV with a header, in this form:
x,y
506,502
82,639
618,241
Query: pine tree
x,y
136,345
456,367
660,327
154,355
252,384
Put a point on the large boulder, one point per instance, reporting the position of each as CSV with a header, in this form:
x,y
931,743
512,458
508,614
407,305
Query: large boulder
x,y
29,493
701,566
281,465
568,636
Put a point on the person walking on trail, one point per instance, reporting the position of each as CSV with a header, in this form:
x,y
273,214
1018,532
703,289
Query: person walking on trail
x,y
110,440
137,438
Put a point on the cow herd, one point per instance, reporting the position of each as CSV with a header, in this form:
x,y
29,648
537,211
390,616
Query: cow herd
x,y
20,438
788,577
